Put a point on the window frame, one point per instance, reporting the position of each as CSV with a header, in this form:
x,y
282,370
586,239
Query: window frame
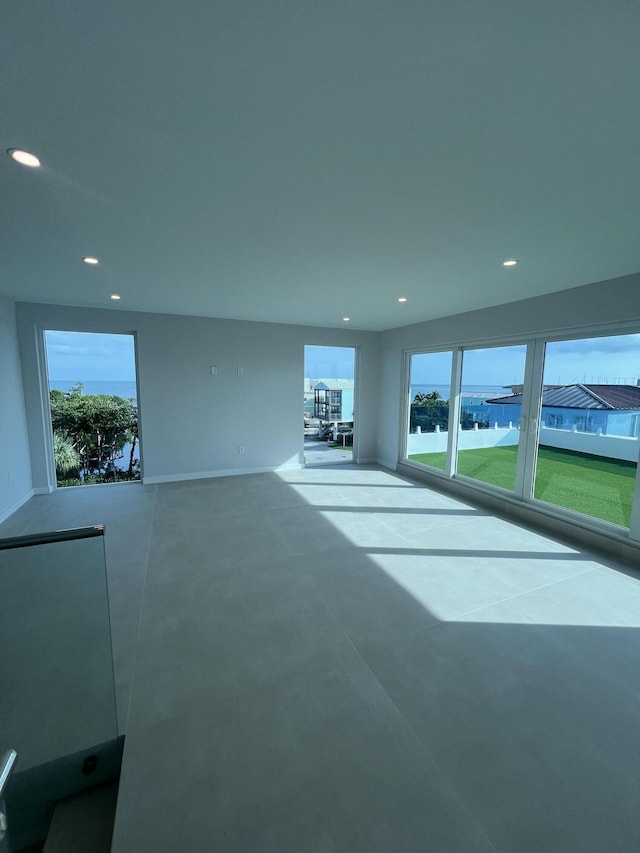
x,y
523,493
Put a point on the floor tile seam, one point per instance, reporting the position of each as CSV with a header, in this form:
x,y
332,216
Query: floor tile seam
x,y
431,529
334,630
387,514
341,486
205,526
619,570
544,586
201,610
452,619
445,776
388,535
467,520
368,490
227,507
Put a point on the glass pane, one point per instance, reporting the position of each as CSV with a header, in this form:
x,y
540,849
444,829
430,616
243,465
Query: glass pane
x,y
329,389
430,380
58,694
490,405
94,409
589,426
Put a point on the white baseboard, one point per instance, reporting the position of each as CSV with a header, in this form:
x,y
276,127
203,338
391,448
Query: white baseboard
x,y
16,505
46,490
223,472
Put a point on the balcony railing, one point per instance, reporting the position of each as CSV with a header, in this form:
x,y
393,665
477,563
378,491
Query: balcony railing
x,y
57,703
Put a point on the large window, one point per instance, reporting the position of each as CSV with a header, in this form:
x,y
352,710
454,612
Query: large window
x,y
490,406
94,407
587,444
555,422
429,384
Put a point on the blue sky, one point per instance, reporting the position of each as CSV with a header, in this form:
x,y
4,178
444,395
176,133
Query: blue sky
x,y
609,360
76,356
83,356
79,356
601,361
328,362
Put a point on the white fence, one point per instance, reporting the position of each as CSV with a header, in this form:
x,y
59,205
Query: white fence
x,y
468,439
610,446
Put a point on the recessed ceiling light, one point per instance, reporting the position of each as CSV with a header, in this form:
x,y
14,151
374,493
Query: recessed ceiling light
x,y
115,296
510,262
91,261
346,319
23,157
402,298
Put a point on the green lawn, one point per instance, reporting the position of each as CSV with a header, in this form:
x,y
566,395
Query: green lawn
x,y
596,486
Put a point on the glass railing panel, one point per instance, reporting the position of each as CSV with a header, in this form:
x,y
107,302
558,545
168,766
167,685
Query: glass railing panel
x,y
56,662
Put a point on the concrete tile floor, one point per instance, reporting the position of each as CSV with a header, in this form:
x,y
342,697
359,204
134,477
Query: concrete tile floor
x,y
337,659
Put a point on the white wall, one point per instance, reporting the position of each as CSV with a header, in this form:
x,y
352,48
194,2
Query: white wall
x,y
610,446
15,465
468,439
599,304
192,422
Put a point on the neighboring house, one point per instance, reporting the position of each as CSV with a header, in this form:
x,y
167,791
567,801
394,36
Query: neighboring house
x,y
328,385
609,409
332,404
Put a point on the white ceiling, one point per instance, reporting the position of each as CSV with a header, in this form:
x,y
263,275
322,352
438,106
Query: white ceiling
x,y
304,160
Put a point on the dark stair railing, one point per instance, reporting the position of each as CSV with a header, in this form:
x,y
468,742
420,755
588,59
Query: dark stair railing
x,y
7,763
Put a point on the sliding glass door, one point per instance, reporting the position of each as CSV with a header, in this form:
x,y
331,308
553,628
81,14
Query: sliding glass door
x,y
490,412
429,386
589,434
553,422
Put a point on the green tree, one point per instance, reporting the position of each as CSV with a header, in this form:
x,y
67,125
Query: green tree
x,y
66,456
134,439
433,398
429,411
98,425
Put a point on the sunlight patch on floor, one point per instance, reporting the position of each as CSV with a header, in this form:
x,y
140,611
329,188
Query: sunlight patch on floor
x,y
477,590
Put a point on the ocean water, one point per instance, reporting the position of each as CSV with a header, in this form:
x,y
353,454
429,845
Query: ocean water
x,y
474,393
118,388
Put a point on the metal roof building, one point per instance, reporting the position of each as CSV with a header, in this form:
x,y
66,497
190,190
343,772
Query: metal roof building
x,y
580,396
